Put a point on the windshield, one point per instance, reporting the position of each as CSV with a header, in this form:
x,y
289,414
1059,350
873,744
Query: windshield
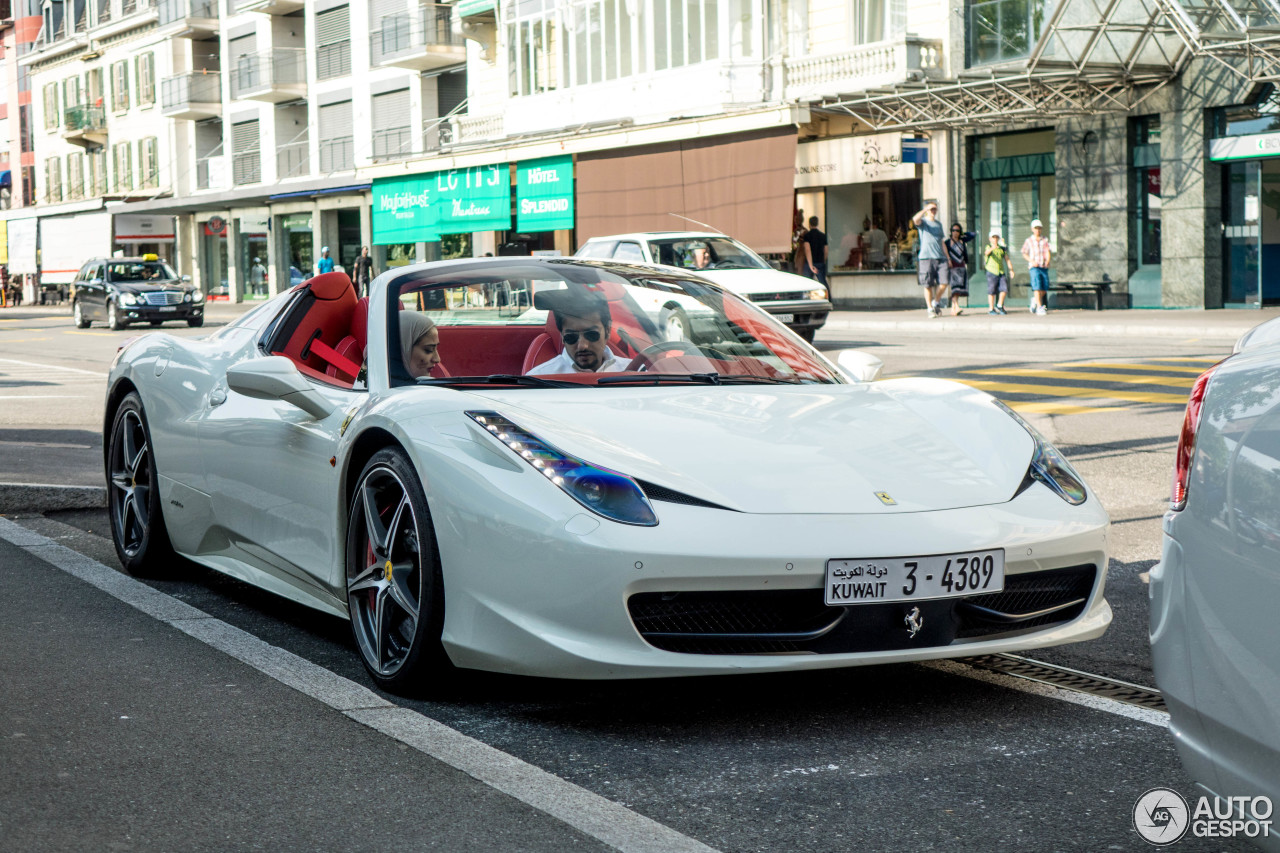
x,y
560,321
140,271
695,253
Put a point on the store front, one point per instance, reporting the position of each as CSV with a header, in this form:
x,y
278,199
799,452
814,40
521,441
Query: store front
x,y
864,195
1014,182
252,256
1250,163
214,258
1144,215
297,238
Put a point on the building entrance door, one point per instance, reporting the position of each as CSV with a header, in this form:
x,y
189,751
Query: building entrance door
x,y
1241,235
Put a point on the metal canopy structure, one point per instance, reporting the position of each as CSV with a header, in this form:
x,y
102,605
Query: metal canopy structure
x,y
1093,56
1243,35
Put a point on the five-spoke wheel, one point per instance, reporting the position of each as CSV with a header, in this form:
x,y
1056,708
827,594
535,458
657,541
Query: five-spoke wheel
x,y
137,524
395,594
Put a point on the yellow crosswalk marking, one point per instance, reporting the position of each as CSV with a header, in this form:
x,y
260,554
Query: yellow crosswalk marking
x,y
1119,378
1205,359
1072,391
1118,365
1058,408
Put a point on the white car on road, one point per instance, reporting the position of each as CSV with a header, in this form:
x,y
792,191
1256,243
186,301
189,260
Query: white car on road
x,y
799,303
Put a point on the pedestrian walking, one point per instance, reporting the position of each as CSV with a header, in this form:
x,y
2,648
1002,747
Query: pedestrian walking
x,y
797,242
1038,256
364,272
258,278
815,252
325,264
930,259
999,269
958,266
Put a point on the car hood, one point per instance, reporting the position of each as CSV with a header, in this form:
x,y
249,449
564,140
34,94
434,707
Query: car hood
x,y
757,281
927,444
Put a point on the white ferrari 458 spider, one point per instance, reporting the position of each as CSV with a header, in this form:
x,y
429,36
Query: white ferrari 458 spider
x,y
502,464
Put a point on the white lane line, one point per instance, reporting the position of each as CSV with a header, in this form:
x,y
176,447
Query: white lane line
x,y
588,812
53,367
1036,688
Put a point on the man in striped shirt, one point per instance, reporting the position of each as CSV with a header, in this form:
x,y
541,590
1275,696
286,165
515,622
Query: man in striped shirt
x,y
1037,254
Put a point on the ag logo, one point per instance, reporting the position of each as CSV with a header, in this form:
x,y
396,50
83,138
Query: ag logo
x,y
1161,816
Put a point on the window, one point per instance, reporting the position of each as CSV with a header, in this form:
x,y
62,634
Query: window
x,y
51,107
145,73
53,179
148,163
122,166
246,153
93,87
75,176
71,92
1004,30
685,32
392,134
333,35
534,37
336,151
120,86
97,172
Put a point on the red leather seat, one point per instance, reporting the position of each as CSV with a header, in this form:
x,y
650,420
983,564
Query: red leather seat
x,y
545,346
325,309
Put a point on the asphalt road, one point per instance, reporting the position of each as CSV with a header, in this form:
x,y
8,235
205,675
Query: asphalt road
x,y
884,758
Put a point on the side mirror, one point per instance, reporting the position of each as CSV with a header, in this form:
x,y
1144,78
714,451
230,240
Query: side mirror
x,y
95,281
276,378
186,278
859,366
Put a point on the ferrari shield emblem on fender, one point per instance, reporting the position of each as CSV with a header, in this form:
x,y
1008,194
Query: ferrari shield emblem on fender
x,y
914,622
885,499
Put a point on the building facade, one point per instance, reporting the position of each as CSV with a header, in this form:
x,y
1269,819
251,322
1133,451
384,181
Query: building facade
x,y
239,138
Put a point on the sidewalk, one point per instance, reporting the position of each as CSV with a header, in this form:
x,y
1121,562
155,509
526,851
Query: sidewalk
x,y
1219,324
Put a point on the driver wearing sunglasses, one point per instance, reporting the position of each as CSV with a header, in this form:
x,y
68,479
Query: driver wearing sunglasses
x,y
583,322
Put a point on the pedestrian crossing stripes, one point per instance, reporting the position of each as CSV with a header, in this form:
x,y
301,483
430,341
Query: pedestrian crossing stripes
x,y
1080,387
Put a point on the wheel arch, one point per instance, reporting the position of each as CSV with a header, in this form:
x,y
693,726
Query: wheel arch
x,y
365,445
122,388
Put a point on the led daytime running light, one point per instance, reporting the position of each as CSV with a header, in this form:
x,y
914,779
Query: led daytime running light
x,y
608,493
1049,466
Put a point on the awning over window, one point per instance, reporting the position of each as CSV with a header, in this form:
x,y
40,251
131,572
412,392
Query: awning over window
x,y
6,180
740,185
474,7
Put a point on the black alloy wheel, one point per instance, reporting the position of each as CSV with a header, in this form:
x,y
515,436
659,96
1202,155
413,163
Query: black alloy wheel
x,y
77,311
133,494
395,591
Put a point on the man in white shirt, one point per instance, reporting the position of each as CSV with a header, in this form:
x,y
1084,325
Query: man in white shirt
x,y
583,322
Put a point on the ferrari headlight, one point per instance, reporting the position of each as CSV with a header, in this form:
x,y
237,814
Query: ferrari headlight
x,y
1049,466
604,492
816,293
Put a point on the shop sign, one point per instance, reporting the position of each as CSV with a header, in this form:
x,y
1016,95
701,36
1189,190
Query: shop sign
x,y
1245,147
403,210
474,199
544,194
143,226
254,225
915,150
851,160
216,225
21,238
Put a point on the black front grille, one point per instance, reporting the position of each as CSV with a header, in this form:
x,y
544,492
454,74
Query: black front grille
x,y
778,296
655,492
797,621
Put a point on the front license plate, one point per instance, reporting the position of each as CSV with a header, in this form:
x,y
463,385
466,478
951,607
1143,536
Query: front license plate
x,y
913,578
785,318
170,308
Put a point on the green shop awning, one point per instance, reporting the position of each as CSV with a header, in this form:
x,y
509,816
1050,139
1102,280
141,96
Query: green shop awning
x,y
475,7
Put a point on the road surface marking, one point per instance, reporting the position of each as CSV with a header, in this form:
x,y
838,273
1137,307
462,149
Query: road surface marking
x,y
601,818
52,367
1041,408
1118,378
1170,368
1075,391
43,396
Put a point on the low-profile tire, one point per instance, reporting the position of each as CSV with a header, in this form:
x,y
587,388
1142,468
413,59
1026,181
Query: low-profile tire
x,y
133,494
807,333
195,322
77,311
395,591
674,324
113,318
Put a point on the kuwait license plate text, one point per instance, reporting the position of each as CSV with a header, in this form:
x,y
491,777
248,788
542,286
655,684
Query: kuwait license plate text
x,y
913,578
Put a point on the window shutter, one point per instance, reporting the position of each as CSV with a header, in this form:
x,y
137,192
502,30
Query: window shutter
x,y
451,90
246,160
335,120
333,26
391,110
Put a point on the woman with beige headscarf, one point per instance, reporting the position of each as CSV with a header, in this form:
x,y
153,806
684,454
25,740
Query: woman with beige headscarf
x,y
419,343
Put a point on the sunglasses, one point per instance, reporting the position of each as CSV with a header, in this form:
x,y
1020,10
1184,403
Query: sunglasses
x,y
571,338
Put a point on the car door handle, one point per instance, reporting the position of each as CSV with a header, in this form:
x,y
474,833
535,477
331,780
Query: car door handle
x,y
217,396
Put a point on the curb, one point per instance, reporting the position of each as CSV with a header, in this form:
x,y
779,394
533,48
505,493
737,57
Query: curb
x,y
1039,329
43,497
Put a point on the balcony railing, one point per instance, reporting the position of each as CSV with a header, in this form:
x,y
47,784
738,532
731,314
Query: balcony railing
x,y
256,73
392,142
293,160
337,154
863,67
180,10
202,171
333,60
411,37
84,119
466,129
181,93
